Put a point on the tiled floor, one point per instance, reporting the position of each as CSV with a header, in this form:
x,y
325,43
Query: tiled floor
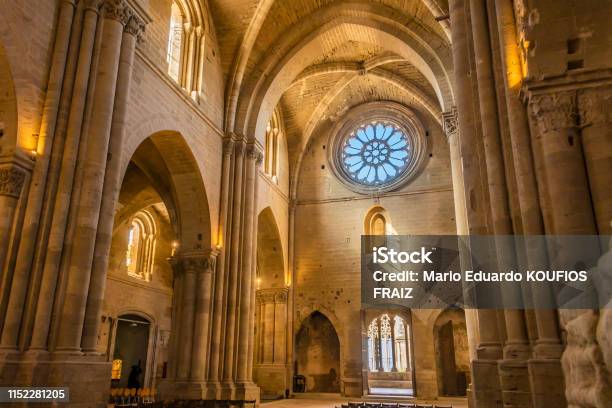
x,y
331,400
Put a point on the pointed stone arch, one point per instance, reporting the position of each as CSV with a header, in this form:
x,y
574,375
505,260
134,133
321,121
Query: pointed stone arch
x,y
167,162
318,353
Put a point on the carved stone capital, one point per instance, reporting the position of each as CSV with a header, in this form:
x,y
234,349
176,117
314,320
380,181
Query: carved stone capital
x,y
595,106
450,122
274,295
554,111
11,181
116,10
239,148
254,153
135,26
194,263
228,146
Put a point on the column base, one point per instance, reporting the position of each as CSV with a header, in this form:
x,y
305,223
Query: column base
x,y
87,377
272,379
486,389
240,394
514,381
547,383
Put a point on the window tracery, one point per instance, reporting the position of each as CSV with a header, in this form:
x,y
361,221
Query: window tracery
x,y
185,53
389,344
141,241
377,147
376,153
272,147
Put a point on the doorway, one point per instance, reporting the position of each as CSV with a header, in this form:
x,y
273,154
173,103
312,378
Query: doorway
x,y
131,351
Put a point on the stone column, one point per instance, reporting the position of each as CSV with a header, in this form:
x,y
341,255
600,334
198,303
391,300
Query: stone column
x,y
37,188
379,363
88,211
393,357
216,350
201,339
556,117
546,381
595,106
187,300
485,383
83,84
517,344
233,263
251,330
249,255
280,326
112,186
11,183
267,298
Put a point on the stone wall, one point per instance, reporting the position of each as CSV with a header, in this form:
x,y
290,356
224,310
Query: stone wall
x,y
328,226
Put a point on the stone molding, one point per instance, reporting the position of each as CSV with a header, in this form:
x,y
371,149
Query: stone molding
x,y
554,111
450,122
274,295
11,181
595,106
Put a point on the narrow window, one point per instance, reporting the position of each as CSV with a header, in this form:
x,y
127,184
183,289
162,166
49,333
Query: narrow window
x,y
175,38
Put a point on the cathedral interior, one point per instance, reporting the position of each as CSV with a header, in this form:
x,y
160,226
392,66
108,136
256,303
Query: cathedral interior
x,y
184,185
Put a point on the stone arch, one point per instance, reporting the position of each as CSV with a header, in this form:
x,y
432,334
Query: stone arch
x,y
451,352
371,222
318,354
279,70
271,270
167,161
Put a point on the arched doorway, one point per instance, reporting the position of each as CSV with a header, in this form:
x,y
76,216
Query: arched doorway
x,y
317,350
452,353
270,369
131,351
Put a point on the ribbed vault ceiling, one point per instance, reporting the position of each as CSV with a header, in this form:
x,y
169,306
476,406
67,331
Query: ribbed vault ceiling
x,y
347,62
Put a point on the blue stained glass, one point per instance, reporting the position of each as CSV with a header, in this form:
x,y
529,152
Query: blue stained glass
x,y
376,154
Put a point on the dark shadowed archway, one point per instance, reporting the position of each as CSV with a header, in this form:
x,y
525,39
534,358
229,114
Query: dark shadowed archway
x,y
452,353
318,354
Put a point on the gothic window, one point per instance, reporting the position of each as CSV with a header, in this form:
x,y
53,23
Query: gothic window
x,y
141,240
175,39
186,51
376,153
389,344
271,157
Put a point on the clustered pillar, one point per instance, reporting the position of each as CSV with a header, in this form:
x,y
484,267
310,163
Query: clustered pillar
x,y
194,273
530,157
214,313
55,285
